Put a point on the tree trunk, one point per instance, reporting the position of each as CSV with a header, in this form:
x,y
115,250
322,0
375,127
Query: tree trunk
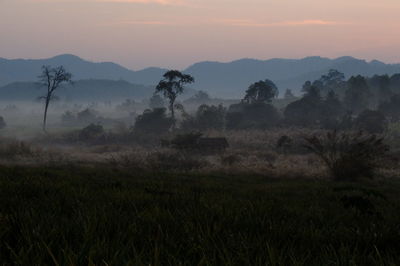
x,y
171,107
45,114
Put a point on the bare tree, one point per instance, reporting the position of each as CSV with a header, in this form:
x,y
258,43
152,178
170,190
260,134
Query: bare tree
x,y
52,78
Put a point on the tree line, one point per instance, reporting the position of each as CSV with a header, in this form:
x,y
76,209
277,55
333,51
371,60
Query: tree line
x,y
330,102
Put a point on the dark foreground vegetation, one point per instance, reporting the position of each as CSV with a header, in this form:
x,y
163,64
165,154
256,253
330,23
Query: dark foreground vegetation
x,y
104,216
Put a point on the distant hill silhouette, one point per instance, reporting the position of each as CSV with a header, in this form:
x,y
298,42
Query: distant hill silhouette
x,y
28,70
87,90
234,77
80,91
228,80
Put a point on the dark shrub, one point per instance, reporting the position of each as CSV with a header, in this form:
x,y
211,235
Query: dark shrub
x,y
91,132
284,143
254,115
154,121
210,117
207,117
185,141
348,156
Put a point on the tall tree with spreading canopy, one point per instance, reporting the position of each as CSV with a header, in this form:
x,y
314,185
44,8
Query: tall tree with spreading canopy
x,y
172,85
261,92
52,79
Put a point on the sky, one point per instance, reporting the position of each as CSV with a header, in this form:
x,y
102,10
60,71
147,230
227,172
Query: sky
x,y
178,33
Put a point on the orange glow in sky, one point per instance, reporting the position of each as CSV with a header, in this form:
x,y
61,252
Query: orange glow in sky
x,y
177,33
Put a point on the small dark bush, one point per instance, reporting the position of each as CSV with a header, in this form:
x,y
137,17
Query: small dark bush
x,y
185,141
154,121
92,131
348,156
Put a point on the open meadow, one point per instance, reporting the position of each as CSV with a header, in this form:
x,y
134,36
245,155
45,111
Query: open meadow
x,y
118,199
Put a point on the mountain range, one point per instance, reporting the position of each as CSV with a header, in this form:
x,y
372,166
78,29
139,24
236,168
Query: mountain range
x,y
227,80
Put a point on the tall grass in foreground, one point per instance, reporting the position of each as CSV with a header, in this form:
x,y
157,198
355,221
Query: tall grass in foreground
x,y
106,216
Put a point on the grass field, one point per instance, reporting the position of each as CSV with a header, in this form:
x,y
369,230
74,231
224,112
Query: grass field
x,y
74,215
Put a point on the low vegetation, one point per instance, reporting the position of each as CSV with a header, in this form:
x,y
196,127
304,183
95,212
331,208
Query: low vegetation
x,y
349,156
107,216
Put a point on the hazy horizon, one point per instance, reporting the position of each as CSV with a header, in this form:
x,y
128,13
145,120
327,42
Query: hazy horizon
x,y
176,33
191,64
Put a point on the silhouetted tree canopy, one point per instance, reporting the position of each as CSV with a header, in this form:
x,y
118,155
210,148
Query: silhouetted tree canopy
x,y
206,117
306,111
256,115
357,96
333,81
172,85
332,111
262,91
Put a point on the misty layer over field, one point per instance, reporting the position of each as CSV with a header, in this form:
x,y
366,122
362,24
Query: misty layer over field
x,y
98,121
